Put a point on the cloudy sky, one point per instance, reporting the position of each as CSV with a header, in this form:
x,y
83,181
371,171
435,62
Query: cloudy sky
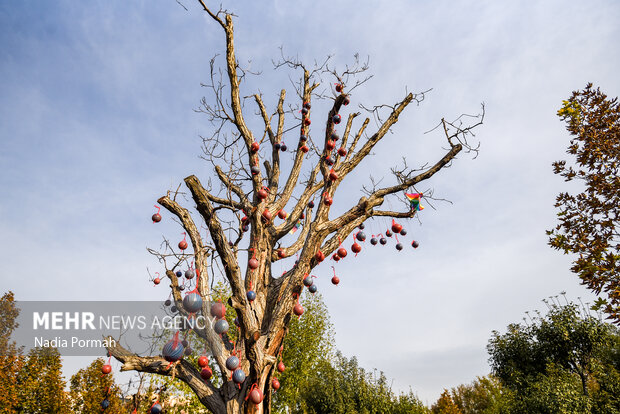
x,y
97,121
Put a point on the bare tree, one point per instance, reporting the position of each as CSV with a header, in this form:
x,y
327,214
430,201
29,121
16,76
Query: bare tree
x,y
252,200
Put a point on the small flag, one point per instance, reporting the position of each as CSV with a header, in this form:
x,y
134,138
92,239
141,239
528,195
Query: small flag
x,y
296,227
414,199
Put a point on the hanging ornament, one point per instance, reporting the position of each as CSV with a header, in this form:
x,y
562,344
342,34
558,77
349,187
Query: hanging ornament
x,y
329,161
157,280
383,240
181,288
311,204
251,295
282,214
253,263
403,232
283,147
338,87
192,302
173,349
304,111
203,361
327,200
206,373
255,169
304,149
399,246
346,101
336,119
336,257
415,244
281,253
298,309
356,248
254,147
156,217
267,215
156,409
189,274
361,236
307,105
218,310
255,395
188,351
106,369
388,233
275,384
232,362
281,367
334,136
173,309
263,193
307,121
335,279
319,256
105,404
342,151
303,138
308,280
167,302
332,175
312,288
183,243
178,273
238,376
221,326
361,226
330,145
342,252
396,228
277,146
374,240
184,343
245,228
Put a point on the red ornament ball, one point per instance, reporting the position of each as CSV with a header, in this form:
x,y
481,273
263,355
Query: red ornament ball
x,y
328,200
356,248
298,309
281,366
282,214
396,228
267,215
253,263
333,176
203,361
335,257
262,194
319,256
254,147
342,252
335,280
156,218
275,383
304,149
338,87
307,121
342,151
330,145
157,280
182,245
106,369
256,396
218,310
281,253
206,373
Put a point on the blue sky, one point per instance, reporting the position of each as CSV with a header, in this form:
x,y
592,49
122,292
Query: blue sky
x,y
97,122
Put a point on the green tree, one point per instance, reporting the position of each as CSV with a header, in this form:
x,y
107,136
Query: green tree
x,y
589,221
11,358
309,341
558,363
485,395
445,404
88,388
40,383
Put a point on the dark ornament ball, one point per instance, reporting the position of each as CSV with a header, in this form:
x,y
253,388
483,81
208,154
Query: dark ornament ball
x,y
383,240
105,404
238,376
415,244
403,232
167,302
251,295
206,373
312,288
277,146
283,147
361,236
156,409
156,218
179,273
232,362
399,246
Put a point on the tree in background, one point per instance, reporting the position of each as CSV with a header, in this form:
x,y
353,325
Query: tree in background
x,y
445,404
11,357
40,384
89,387
564,362
267,191
589,221
484,395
